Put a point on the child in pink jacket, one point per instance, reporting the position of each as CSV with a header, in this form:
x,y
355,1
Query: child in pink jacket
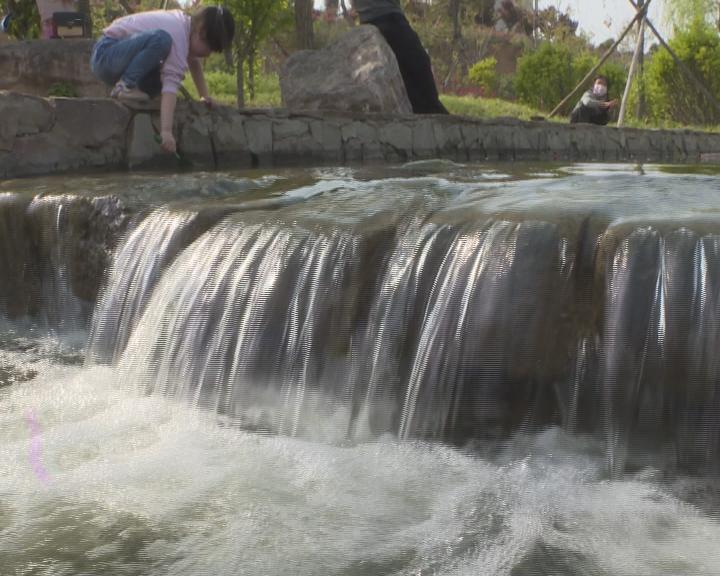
x,y
146,54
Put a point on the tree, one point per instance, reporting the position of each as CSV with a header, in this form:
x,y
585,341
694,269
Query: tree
x,y
24,19
454,13
255,20
555,25
304,24
681,14
670,94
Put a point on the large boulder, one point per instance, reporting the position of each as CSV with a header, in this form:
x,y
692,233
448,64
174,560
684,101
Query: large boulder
x,y
42,67
357,73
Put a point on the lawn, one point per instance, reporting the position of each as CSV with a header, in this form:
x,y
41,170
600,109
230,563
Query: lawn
x,y
488,107
222,87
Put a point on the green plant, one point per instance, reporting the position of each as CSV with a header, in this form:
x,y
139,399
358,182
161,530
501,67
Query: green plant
x,y
484,74
506,87
255,22
25,19
544,77
223,87
63,89
671,95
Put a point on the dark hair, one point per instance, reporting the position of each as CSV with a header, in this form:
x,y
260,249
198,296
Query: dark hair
x,y
218,27
603,79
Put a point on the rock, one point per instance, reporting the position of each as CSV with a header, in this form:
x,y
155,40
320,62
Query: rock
x,y
45,135
357,73
91,123
18,279
72,239
22,115
44,66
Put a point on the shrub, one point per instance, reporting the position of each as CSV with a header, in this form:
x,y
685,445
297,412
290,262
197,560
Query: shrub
x,y
546,76
484,74
673,96
25,20
506,87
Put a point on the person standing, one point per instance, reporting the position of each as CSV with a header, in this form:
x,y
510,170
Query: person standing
x,y
414,63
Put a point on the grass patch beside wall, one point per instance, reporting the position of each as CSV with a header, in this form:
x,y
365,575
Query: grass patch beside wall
x,y
488,107
222,87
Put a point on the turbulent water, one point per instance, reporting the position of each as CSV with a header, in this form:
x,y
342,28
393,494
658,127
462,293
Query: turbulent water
x,y
429,369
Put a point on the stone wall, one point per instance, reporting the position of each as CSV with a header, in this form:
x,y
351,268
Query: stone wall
x,y
41,66
41,136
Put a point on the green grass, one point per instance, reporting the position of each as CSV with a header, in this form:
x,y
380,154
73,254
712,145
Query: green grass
x,y
667,125
488,107
222,87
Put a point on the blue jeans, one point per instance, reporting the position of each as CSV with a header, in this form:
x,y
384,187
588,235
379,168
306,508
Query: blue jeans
x,y
135,60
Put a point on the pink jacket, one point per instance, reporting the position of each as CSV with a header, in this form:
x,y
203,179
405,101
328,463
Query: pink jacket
x,y
174,22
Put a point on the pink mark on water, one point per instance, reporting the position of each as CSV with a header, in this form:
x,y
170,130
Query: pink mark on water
x,y
35,446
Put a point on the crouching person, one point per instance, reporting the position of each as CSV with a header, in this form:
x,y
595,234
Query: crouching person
x,y
147,54
595,107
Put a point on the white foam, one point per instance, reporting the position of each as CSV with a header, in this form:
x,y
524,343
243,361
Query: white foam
x,y
145,485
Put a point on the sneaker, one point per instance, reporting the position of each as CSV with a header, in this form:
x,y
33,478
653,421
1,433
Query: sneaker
x,y
122,92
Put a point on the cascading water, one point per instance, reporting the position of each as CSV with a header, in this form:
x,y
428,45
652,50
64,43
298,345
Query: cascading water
x,y
134,273
242,318
444,371
660,349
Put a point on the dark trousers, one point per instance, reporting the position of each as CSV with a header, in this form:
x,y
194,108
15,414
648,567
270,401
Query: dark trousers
x,y
587,115
413,61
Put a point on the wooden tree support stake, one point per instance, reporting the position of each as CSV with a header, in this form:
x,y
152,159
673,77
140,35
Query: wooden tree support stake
x,y
632,73
641,13
684,67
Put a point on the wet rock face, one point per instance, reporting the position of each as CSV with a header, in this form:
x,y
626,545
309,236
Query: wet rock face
x,y
357,73
54,251
18,274
73,238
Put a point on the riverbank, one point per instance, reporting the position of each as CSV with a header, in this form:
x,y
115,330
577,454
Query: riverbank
x,y
50,135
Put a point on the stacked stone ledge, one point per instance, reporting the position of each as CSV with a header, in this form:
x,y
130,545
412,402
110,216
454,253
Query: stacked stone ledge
x,y
48,135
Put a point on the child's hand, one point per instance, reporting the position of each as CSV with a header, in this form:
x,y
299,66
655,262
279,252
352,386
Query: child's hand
x,y
209,102
168,142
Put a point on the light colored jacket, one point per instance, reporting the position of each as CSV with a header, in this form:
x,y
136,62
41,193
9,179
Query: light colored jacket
x,y
174,22
591,101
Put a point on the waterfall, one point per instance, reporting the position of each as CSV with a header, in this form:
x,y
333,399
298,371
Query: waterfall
x,y
352,318
343,375
136,268
261,322
242,322
659,366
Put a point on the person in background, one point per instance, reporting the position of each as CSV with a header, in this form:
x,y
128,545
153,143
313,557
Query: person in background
x,y
148,53
46,9
595,106
414,63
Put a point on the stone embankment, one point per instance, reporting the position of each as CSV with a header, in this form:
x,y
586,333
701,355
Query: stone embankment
x,y
47,135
